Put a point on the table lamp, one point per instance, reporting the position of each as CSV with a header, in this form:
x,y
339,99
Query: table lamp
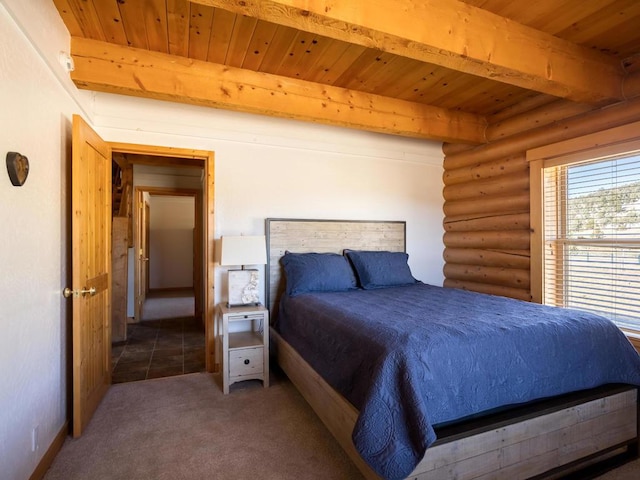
x,y
243,284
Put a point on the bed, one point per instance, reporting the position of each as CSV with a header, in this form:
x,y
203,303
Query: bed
x,y
521,424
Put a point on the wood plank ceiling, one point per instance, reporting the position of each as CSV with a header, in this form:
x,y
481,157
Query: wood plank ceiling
x,y
437,69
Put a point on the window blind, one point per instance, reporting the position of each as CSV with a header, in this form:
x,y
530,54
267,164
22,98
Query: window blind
x,y
591,213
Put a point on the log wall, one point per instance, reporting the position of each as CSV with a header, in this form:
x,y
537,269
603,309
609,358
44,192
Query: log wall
x,y
486,190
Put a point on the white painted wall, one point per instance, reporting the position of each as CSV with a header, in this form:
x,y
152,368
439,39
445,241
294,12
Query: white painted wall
x,y
267,167
35,119
171,241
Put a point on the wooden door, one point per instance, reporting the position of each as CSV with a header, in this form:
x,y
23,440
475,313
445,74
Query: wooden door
x,y
145,248
142,254
91,271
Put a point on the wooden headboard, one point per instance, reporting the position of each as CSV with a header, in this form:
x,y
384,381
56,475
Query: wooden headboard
x,y
323,236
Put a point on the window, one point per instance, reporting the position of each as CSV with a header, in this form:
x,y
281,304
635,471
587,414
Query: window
x,y
585,219
591,250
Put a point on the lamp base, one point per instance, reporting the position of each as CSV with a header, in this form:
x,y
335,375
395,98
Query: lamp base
x,y
243,288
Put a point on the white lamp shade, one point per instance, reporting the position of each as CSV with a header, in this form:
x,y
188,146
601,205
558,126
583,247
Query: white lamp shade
x,y
243,250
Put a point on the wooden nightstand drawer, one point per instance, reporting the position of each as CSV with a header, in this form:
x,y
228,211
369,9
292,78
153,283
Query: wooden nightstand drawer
x,y
246,316
246,361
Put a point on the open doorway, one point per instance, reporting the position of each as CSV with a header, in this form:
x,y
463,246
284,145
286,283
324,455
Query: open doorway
x,y
168,235
162,232
166,336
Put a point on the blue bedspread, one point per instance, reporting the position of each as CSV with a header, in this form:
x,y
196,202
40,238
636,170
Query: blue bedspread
x,y
416,356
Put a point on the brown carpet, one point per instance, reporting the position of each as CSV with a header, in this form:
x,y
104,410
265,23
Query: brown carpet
x,y
183,428
630,471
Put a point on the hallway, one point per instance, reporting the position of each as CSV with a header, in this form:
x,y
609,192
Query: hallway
x,y
168,341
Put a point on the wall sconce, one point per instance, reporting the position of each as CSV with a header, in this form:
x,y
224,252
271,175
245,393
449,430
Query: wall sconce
x,y
243,283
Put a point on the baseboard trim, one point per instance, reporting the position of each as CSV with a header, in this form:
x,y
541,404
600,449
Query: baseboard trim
x,y
47,459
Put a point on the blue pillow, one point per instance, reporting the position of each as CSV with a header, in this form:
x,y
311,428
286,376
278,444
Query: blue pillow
x,y
381,269
317,272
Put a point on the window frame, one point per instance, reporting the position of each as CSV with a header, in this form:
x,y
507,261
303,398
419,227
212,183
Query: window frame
x,y
601,145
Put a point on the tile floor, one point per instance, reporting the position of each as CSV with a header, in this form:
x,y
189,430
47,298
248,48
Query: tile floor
x,y
159,348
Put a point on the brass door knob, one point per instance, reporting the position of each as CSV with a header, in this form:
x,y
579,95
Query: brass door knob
x,y
67,292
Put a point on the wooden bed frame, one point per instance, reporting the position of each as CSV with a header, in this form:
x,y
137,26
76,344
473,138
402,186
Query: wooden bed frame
x,y
581,434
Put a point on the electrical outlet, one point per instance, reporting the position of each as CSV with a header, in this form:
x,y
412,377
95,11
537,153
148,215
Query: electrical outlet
x,y
34,438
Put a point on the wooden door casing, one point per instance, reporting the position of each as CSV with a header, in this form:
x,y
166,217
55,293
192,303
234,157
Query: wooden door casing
x,y
180,157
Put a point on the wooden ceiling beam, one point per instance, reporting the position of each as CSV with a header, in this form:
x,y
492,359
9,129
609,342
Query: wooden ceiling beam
x,y
113,68
455,35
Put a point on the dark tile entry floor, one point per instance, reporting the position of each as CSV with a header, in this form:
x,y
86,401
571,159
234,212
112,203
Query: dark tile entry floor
x,y
159,348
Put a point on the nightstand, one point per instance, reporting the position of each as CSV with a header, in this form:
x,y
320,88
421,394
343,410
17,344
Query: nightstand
x,y
245,354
